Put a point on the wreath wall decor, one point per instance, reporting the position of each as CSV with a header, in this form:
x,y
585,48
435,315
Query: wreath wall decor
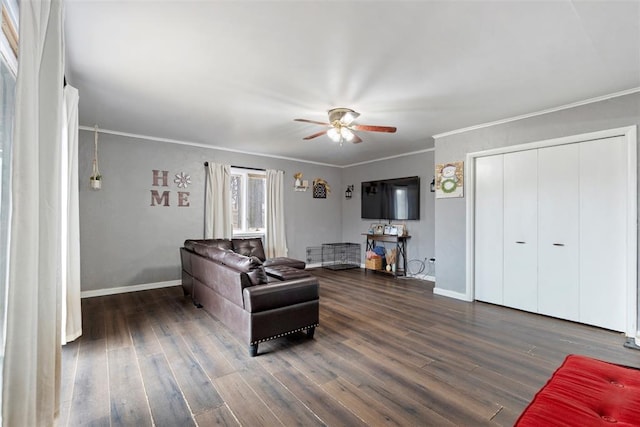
x,y
449,180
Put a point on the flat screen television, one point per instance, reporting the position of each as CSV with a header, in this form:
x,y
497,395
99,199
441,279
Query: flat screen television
x,y
391,199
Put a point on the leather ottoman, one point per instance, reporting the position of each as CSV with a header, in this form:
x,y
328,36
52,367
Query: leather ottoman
x,y
289,262
285,272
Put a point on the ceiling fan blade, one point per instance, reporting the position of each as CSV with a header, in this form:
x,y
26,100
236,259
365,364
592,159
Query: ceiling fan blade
x,y
315,135
370,128
356,139
311,121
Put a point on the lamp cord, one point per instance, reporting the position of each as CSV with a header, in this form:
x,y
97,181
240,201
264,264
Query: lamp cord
x,y
96,169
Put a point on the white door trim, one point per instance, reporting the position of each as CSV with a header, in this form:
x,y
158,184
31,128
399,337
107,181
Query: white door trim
x,y
630,136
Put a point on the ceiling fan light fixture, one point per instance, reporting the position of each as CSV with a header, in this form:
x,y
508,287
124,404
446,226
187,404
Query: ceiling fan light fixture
x,y
342,128
334,134
346,134
342,115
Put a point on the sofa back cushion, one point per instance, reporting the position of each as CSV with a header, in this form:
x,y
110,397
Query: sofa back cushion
x,y
218,243
248,266
208,251
249,247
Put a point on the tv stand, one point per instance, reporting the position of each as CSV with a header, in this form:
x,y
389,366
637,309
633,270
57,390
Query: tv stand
x,y
400,243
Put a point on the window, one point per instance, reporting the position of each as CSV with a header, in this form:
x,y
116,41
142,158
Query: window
x,y
248,190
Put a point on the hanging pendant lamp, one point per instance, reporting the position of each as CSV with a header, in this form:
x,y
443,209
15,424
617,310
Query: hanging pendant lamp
x,y
96,178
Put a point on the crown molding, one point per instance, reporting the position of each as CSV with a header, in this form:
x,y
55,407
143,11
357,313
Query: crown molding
x,y
199,145
412,153
215,147
539,113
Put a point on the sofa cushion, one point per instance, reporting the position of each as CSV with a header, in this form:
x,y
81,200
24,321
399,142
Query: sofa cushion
x,y
249,265
249,247
208,251
256,273
289,262
218,243
284,272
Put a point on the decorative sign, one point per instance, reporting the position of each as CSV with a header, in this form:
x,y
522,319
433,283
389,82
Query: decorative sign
x,y
319,191
320,188
182,179
161,179
449,180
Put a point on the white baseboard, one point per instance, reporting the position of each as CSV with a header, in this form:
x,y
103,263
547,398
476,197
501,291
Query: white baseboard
x,y
450,294
315,265
424,277
132,288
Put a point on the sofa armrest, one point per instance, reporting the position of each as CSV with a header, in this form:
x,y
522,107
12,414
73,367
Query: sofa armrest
x,y
280,294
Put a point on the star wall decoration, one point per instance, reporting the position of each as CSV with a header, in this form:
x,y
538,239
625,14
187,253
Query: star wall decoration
x,y
182,179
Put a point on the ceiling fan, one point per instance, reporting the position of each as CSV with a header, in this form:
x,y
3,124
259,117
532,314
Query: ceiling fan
x,y
342,128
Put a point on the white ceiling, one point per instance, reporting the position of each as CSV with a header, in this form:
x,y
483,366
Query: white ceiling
x,y
235,74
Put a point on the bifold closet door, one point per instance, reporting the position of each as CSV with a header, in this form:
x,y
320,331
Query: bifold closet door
x,y
603,232
488,229
558,231
520,230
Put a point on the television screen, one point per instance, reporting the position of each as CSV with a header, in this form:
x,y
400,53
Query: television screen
x,y
391,199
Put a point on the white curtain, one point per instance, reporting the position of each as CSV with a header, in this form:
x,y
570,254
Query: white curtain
x,y
218,222
70,242
31,371
275,237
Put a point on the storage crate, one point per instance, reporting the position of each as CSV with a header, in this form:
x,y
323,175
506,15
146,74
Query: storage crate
x,y
340,256
373,263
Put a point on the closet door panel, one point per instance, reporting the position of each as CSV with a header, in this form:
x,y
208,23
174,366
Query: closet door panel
x,y
603,233
520,230
558,232
489,229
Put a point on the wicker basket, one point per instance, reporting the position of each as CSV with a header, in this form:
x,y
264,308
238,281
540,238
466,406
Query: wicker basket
x,y
373,263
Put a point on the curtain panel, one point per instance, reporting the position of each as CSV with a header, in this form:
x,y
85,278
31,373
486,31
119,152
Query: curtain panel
x,y
218,220
275,237
31,370
71,298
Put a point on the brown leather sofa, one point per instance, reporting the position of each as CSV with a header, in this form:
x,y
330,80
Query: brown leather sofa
x,y
259,299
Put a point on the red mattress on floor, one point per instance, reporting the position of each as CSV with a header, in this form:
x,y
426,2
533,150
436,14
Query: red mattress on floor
x,y
586,392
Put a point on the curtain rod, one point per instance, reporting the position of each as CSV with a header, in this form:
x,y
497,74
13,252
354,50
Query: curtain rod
x,y
240,167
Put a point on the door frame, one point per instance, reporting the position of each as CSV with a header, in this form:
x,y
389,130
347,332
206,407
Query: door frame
x,y
630,136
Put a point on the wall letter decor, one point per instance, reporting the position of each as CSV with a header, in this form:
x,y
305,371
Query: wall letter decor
x,y
156,177
183,198
157,198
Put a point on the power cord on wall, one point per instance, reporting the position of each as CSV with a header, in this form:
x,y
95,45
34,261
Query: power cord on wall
x,y
417,266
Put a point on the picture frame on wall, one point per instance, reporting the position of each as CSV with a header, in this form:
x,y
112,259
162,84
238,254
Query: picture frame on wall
x,y
449,180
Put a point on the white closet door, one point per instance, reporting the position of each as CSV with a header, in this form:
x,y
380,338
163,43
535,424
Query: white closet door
x,y
520,230
558,235
603,233
488,229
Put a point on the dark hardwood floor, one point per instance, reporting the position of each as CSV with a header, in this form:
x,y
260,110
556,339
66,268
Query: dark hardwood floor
x,y
387,352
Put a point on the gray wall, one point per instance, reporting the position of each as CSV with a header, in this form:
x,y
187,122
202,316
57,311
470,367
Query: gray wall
x,y
450,214
421,245
125,241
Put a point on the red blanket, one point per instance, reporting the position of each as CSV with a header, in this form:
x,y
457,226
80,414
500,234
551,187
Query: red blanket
x,y
586,392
